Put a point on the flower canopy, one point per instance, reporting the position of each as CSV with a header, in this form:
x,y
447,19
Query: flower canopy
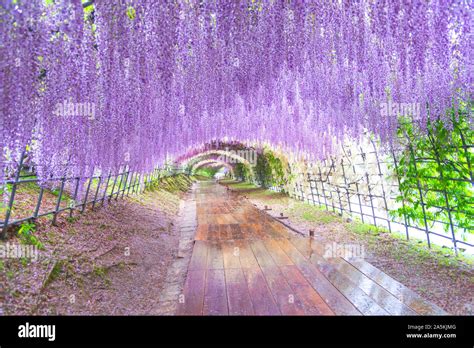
x,y
133,82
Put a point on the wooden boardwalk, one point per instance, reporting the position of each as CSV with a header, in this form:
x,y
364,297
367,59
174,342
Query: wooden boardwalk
x,y
246,263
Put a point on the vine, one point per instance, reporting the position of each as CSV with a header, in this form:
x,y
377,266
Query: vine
x,y
435,172
269,170
242,172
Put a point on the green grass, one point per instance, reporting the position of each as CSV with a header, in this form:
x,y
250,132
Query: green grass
x,y
240,185
26,235
201,177
444,256
207,172
313,213
363,228
252,190
413,250
102,273
321,217
55,272
227,181
64,195
172,184
72,219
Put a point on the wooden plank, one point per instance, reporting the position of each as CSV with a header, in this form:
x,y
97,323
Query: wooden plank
x,y
217,219
257,231
201,232
235,231
215,259
228,218
284,296
215,296
279,233
263,257
262,299
380,295
238,295
404,294
278,255
355,295
279,228
201,219
305,246
225,232
331,295
199,256
245,231
200,209
246,257
269,230
231,251
303,291
193,301
213,231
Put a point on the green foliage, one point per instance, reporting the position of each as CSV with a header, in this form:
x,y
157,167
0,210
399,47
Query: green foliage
x,y
242,172
208,172
72,219
3,208
102,273
363,228
131,13
263,171
269,170
55,272
319,217
172,183
25,233
278,175
313,213
438,163
24,261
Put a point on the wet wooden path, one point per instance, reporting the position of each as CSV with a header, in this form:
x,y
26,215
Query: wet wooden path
x,y
246,263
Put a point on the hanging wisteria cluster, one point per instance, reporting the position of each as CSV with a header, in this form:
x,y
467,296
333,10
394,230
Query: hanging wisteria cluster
x,y
134,82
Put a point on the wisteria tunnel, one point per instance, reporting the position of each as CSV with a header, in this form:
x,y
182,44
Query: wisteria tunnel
x,y
251,157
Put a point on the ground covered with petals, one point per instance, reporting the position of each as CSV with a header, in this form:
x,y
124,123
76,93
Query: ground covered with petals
x,y
110,261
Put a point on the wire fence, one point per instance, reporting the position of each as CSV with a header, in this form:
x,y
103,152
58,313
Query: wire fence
x,y
364,182
67,194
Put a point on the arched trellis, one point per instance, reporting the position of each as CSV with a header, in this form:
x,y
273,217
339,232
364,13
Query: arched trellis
x,y
248,125
226,156
244,102
205,162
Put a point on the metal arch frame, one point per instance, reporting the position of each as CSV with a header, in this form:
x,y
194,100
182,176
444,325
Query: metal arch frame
x,y
189,161
202,163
